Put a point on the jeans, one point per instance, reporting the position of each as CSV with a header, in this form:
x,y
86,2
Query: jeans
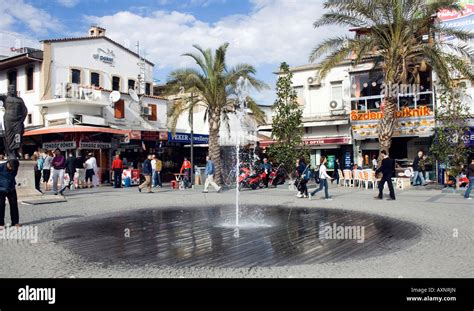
x,y
469,188
322,184
58,174
117,178
156,179
419,174
13,202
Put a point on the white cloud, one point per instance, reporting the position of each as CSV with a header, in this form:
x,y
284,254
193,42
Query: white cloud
x,y
275,31
68,3
37,20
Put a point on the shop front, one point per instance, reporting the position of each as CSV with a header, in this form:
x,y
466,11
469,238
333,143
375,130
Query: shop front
x,y
332,148
414,129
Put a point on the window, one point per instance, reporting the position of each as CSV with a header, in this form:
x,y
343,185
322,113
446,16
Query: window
x,y
95,79
300,94
153,116
119,109
368,83
30,118
131,84
116,84
336,91
148,89
30,78
75,76
12,77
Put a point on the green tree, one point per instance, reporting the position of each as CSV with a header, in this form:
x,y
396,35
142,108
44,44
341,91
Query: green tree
x,y
403,37
287,129
452,116
213,83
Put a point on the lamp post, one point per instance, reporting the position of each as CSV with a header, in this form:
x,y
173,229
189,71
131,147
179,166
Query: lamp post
x,y
191,121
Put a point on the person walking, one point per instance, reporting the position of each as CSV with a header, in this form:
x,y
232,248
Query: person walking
x,y
186,168
153,169
8,172
147,173
70,171
58,164
38,168
210,170
117,168
374,162
470,174
90,166
47,160
387,168
81,171
323,180
267,168
300,180
157,173
417,170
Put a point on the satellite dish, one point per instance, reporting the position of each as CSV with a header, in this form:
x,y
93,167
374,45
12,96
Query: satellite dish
x,y
114,96
133,95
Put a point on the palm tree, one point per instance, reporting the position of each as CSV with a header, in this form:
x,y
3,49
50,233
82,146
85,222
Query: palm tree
x,y
215,86
396,38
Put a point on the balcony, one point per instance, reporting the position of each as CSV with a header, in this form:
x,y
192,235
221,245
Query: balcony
x,y
73,94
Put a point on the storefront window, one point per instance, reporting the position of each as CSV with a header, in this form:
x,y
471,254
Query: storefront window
x,y
367,83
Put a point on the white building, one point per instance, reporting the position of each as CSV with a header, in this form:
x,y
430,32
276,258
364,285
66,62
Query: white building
x,y
66,87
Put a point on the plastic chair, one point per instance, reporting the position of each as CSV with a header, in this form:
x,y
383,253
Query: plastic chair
x,y
347,177
341,178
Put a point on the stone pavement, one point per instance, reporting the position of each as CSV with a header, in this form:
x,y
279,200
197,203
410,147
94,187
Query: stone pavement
x,y
444,250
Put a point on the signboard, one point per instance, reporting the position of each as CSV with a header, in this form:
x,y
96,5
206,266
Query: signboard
x,y
63,145
331,160
106,56
347,160
463,19
185,138
410,122
327,141
135,135
94,145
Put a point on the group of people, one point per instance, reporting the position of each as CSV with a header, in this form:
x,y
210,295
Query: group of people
x,y
151,171
304,174
48,163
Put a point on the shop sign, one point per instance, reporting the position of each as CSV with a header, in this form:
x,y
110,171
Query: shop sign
x,y
185,138
94,145
63,145
150,136
135,135
105,56
409,122
327,141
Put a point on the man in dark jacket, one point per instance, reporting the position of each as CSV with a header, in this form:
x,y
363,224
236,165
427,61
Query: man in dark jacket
x,y
71,171
8,173
387,169
418,170
147,173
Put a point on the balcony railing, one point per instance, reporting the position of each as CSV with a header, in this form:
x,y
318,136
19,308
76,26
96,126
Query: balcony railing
x,y
410,100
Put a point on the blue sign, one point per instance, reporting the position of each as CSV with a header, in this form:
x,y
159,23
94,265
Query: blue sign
x,y
185,138
347,160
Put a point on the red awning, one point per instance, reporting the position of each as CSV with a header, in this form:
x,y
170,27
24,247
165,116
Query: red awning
x,y
74,129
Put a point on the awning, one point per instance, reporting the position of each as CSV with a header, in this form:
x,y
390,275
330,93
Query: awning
x,y
74,129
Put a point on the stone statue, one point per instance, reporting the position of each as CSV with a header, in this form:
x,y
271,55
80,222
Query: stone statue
x,y
13,121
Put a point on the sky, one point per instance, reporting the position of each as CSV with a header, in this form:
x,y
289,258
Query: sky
x,y
262,33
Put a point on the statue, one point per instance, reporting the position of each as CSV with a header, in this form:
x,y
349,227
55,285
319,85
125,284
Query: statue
x,y
13,121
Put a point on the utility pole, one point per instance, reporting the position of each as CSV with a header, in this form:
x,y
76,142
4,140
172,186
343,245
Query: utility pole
x,y
192,140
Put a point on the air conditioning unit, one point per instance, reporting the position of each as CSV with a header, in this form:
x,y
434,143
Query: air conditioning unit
x,y
336,105
314,81
145,111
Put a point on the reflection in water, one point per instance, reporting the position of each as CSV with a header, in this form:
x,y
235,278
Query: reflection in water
x,y
197,237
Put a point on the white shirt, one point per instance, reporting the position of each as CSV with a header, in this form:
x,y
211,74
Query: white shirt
x,y
323,172
153,165
47,163
91,163
374,162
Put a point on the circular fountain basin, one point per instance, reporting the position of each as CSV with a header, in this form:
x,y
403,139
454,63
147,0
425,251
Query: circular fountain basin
x,y
205,236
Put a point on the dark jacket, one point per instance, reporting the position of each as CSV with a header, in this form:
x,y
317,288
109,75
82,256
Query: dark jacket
x,y
416,164
7,179
71,165
79,163
147,169
301,168
470,170
387,168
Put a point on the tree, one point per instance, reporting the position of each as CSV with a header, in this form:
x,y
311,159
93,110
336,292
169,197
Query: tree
x,y
287,128
452,116
403,37
214,85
